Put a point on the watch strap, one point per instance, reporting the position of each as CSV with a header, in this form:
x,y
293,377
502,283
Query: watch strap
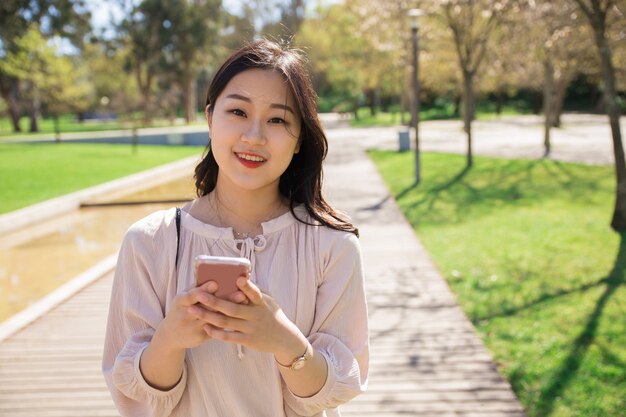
x,y
299,361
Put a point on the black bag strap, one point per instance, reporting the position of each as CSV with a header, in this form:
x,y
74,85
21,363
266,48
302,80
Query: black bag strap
x,y
177,234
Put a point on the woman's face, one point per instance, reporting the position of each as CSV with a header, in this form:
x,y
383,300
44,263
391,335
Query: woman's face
x,y
255,126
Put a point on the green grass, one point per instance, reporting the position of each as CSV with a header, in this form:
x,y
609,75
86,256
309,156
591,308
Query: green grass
x,y
446,112
31,173
69,124
527,248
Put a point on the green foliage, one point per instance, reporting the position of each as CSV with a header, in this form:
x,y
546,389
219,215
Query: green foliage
x,y
31,173
34,61
526,246
335,50
167,42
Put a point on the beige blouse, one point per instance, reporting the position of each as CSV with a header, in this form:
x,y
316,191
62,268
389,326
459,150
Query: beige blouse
x,y
313,272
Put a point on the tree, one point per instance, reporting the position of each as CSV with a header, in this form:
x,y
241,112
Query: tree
x,y
192,27
166,38
37,64
65,94
114,85
599,14
471,23
335,51
68,19
142,33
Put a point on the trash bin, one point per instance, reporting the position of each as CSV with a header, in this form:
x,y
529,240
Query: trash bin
x,y
404,139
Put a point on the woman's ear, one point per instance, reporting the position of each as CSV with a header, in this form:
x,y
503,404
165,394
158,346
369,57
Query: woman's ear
x,y
297,150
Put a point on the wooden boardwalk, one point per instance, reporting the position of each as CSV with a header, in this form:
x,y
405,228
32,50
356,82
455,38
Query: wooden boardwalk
x,y
52,367
426,359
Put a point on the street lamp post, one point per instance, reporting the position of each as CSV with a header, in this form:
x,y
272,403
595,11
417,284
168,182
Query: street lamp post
x,y
414,15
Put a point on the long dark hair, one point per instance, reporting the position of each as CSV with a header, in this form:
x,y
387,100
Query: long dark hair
x,y
301,183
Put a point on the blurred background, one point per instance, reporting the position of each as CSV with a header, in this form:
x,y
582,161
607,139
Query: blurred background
x,y
149,62
529,233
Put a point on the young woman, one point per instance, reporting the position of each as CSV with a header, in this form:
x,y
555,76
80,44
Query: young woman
x,y
296,342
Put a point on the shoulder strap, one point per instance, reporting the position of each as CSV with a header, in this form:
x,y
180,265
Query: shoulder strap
x,y
177,234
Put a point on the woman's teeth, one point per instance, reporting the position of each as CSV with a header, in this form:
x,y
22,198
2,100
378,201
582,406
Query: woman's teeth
x,y
253,158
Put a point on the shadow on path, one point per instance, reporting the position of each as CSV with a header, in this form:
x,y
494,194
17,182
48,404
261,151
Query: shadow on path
x,y
581,344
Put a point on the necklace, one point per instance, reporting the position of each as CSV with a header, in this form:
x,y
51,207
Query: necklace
x,y
237,234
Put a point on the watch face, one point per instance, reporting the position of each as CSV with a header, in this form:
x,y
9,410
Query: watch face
x,y
298,364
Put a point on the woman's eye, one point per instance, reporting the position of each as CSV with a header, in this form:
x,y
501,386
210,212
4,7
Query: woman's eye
x,y
277,120
238,112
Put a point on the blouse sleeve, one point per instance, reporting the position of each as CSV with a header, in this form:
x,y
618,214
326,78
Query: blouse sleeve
x,y
340,329
137,307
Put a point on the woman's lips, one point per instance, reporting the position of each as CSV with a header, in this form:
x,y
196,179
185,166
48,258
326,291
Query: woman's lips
x,y
250,160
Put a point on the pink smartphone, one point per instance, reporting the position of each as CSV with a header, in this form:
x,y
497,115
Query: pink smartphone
x,y
223,270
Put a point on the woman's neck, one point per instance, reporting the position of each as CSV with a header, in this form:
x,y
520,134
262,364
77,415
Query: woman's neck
x,y
245,211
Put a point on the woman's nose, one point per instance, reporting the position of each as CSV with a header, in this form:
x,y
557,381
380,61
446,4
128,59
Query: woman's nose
x,y
255,133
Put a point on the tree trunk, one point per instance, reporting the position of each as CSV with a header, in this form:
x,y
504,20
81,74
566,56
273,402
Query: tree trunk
x,y
468,85
559,99
499,101
536,103
9,91
145,85
371,101
457,106
189,88
618,223
145,105
35,109
548,107
57,129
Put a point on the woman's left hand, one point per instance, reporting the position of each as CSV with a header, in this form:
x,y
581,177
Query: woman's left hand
x,y
260,325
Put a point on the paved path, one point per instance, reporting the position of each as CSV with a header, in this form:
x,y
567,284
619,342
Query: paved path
x,y
426,358
584,138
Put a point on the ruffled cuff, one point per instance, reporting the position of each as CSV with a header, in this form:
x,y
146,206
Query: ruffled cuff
x,y
131,383
343,381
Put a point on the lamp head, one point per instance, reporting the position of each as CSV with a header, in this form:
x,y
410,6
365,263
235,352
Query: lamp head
x,y
414,15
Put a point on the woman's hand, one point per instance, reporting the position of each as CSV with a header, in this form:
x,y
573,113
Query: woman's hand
x,y
161,363
260,325
181,329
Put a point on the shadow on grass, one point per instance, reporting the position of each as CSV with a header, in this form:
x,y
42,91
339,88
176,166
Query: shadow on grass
x,y
569,367
498,184
511,311
436,190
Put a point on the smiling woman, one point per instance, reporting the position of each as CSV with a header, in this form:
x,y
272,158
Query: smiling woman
x,y
297,338
254,135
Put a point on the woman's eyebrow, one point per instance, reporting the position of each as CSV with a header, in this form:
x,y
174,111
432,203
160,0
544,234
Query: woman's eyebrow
x,y
273,105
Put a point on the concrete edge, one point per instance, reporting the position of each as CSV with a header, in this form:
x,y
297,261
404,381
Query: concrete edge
x,y
130,184
25,317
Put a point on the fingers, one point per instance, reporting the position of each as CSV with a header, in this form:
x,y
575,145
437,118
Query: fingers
x,y
216,319
238,297
250,290
198,295
225,335
226,307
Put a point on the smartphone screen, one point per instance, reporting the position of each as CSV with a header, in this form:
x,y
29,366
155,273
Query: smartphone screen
x,y
223,270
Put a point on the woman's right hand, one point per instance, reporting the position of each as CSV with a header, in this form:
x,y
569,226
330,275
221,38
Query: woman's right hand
x,y
181,329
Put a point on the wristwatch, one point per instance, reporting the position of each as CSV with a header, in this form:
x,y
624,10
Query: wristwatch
x,y
299,362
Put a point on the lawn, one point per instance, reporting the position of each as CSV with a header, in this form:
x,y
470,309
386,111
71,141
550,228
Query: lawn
x,y
485,111
527,248
30,173
69,124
